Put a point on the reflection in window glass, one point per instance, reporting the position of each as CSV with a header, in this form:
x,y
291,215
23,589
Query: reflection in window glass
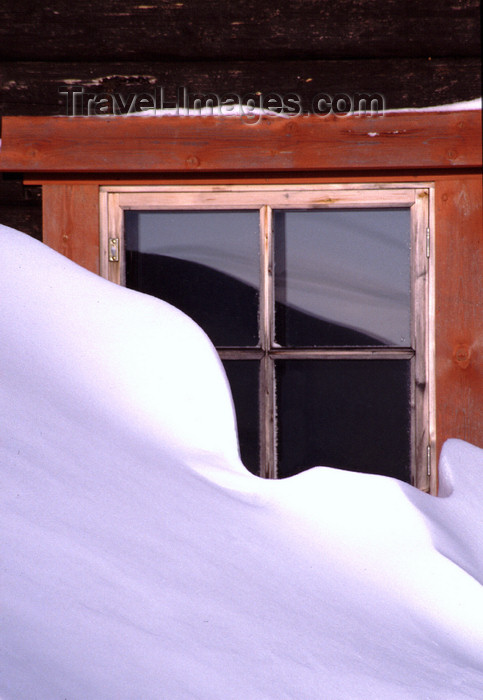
x,y
243,378
342,277
349,414
205,263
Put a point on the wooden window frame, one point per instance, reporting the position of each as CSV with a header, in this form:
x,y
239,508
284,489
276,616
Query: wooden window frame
x,y
72,157
417,197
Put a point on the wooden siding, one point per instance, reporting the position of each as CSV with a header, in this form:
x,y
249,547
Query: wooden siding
x,y
32,88
216,29
417,53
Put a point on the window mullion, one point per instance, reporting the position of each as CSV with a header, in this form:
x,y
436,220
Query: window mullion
x,y
267,378
266,282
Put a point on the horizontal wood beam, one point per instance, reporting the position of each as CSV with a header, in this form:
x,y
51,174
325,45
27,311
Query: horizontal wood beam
x,y
229,144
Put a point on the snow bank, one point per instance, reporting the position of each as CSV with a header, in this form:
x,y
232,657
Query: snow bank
x,y
141,560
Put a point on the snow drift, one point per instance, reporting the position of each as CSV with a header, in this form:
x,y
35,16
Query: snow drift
x,y
140,558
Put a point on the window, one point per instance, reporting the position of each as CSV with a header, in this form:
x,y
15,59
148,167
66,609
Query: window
x,y
317,299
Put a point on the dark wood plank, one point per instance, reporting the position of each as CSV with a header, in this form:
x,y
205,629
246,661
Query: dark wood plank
x,y
229,144
459,303
13,191
216,29
20,205
23,217
33,88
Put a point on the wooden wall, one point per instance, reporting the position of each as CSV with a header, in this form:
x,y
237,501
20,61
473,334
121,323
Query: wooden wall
x,y
414,52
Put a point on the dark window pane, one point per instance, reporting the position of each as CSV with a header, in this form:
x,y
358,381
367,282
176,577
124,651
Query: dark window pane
x,y
243,376
350,414
342,277
206,263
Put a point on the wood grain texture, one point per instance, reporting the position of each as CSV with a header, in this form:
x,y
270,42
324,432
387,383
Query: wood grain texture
x,y
459,310
216,29
180,144
32,88
71,222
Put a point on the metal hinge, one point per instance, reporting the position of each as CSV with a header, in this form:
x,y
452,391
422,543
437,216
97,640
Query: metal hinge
x,y
428,460
114,250
427,242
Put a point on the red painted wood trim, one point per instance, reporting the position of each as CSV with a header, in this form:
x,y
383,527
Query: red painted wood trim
x,y
459,305
71,222
207,144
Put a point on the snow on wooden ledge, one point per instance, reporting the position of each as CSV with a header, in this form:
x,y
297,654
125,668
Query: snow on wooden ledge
x,y
439,138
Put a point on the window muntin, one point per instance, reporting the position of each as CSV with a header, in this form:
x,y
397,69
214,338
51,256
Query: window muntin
x,y
407,361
